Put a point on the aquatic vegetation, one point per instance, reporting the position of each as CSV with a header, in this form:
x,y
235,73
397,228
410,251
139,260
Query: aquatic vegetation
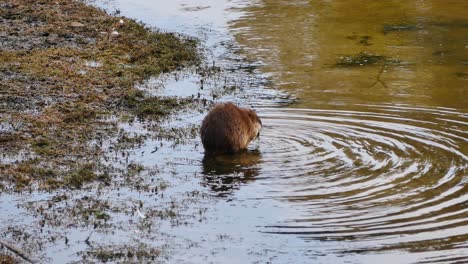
x,y
142,253
361,59
152,107
80,176
362,40
400,27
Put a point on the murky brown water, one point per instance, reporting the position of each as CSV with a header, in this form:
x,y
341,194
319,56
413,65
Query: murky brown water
x,y
423,44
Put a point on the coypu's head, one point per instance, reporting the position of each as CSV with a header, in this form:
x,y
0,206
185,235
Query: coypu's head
x,y
256,122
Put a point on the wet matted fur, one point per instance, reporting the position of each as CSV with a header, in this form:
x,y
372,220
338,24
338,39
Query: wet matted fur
x,y
228,128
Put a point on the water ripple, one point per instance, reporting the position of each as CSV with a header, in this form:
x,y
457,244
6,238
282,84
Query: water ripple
x,y
389,173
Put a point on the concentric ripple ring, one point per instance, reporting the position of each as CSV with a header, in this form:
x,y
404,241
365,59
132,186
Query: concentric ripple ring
x,y
390,173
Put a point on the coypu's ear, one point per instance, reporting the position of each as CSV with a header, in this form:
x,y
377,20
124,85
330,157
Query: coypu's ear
x,y
254,117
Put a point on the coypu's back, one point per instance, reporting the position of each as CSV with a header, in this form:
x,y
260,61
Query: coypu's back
x,y
228,128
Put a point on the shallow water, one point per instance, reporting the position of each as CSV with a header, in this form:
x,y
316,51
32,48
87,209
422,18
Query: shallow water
x,y
363,157
368,164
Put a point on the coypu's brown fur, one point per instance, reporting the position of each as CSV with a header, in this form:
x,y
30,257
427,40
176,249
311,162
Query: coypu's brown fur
x,y
229,129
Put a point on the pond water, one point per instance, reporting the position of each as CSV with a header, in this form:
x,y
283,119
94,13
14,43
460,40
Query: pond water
x,y
364,153
362,159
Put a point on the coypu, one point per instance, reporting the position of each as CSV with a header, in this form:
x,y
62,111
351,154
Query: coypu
x,y
229,129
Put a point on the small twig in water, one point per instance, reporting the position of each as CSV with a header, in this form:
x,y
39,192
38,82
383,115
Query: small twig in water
x,y
87,239
378,80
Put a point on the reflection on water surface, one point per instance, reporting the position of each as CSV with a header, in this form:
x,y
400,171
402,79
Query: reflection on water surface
x,y
424,44
374,152
376,177
224,173
369,164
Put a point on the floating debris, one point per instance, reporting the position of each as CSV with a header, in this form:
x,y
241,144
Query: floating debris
x,y
400,27
140,214
194,8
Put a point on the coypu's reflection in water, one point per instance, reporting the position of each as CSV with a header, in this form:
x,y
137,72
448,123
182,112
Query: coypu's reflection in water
x,y
225,133
224,173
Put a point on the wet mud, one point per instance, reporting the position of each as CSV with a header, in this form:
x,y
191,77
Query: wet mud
x,y
69,74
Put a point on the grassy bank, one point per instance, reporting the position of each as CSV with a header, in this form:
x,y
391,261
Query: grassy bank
x,y
67,70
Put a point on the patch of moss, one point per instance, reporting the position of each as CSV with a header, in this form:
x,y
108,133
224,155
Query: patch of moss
x,y
152,107
106,256
43,147
133,98
6,259
24,173
81,176
51,183
45,173
22,181
155,107
134,169
41,143
8,138
140,253
79,113
100,215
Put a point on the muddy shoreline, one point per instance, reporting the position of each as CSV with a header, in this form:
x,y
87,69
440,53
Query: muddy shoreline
x,y
69,75
68,72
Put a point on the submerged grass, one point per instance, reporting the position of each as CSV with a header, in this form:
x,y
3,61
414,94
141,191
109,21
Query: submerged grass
x,y
360,59
152,107
80,176
142,253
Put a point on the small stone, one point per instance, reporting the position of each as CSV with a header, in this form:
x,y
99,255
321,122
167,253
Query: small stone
x,y
76,24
